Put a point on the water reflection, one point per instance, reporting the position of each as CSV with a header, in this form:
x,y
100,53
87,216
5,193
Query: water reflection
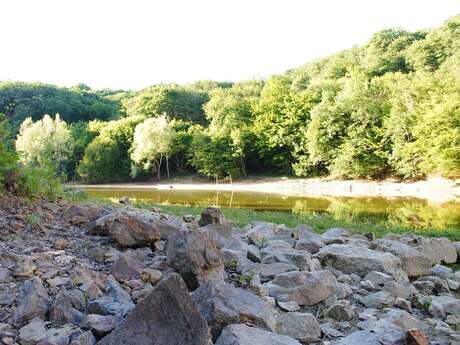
x,y
410,212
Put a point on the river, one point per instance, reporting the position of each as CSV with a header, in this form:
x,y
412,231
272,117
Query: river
x,y
400,211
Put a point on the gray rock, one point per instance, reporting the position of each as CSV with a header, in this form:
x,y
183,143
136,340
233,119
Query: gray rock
x,y
359,260
5,275
126,267
245,335
269,271
378,278
100,325
67,308
167,316
302,287
221,304
412,261
335,233
33,301
359,338
300,258
58,336
444,305
341,311
300,326
211,215
389,333
86,338
380,299
309,241
196,256
441,271
32,333
261,232
401,318
288,306
116,291
330,332
108,306
403,304
439,250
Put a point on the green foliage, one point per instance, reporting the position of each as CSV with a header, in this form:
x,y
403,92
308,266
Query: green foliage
x,y
388,108
107,157
81,137
19,101
45,143
214,156
101,162
176,102
152,142
39,182
7,158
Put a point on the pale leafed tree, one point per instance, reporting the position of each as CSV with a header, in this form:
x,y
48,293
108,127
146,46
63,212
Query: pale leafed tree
x,y
152,143
47,142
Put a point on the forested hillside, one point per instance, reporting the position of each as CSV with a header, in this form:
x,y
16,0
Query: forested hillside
x,y
388,108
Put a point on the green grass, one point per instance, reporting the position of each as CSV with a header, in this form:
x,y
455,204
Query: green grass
x,y
319,221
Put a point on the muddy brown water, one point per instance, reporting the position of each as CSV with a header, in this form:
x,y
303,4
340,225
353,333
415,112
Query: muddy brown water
x,y
410,212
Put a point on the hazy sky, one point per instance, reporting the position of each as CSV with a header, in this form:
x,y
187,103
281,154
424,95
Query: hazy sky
x,y
135,43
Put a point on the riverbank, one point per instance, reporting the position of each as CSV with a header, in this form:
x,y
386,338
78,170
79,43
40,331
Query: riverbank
x,y
434,189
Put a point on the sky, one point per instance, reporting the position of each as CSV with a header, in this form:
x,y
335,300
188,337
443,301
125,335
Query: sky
x,y
130,44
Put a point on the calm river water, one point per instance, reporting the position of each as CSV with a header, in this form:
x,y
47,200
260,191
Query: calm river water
x,y
411,212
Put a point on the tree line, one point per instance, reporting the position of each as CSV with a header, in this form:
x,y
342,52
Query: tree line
x,y
388,108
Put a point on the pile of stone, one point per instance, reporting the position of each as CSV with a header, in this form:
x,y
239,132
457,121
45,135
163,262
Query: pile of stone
x,y
140,277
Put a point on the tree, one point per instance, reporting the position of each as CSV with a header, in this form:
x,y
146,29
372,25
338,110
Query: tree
x,y
152,143
19,100
101,161
214,156
282,116
7,157
174,101
81,137
46,142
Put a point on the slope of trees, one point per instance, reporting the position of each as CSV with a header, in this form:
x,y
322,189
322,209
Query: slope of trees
x,y
388,108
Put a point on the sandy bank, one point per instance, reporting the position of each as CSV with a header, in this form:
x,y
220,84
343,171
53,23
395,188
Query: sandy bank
x,y
435,189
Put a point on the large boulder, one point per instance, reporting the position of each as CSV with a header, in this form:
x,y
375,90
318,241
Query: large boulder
x,y
166,316
33,300
300,258
196,256
413,262
32,333
81,214
67,308
211,215
359,260
132,229
305,288
245,335
127,267
222,304
439,249
441,306
301,326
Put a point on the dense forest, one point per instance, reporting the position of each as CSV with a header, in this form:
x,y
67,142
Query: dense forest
x,y
388,108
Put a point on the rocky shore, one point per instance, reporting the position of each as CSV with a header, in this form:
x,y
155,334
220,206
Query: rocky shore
x,y
87,274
